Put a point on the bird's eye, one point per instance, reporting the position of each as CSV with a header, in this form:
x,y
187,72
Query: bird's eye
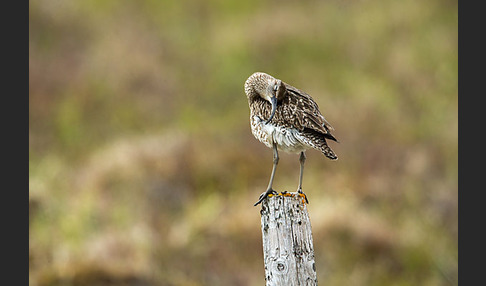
x,y
275,87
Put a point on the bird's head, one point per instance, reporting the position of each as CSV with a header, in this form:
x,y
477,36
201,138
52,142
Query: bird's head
x,y
267,87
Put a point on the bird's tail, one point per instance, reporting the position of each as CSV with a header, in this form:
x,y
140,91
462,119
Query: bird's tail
x,y
327,151
317,141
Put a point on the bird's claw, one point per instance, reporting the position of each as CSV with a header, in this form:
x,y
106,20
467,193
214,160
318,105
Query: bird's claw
x,y
264,195
302,193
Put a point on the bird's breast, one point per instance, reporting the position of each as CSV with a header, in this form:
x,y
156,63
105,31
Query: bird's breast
x,y
287,139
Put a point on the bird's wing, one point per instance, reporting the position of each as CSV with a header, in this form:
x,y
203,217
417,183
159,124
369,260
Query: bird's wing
x,y
303,112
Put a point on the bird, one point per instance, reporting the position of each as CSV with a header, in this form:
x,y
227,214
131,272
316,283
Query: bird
x,y
286,118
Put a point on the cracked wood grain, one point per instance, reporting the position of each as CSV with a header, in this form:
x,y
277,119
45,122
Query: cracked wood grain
x,y
288,249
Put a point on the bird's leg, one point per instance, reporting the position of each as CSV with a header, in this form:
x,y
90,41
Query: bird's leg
x,y
269,188
302,161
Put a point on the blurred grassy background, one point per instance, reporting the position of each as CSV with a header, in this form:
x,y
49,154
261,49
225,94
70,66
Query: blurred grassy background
x,y
143,169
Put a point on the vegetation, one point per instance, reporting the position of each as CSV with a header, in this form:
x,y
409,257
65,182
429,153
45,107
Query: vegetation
x,y
143,169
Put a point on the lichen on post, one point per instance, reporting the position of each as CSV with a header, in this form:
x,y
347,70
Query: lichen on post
x,y
288,249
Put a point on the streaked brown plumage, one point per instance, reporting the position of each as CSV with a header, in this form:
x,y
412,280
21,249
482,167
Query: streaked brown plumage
x,y
286,118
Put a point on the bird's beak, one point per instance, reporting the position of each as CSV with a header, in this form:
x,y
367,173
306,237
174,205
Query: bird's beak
x,y
274,108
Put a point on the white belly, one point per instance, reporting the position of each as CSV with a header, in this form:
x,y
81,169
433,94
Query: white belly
x,y
287,139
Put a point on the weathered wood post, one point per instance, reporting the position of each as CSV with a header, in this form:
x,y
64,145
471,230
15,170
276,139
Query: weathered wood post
x,y
288,249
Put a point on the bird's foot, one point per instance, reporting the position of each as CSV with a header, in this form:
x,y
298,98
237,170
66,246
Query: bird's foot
x,y
264,195
302,194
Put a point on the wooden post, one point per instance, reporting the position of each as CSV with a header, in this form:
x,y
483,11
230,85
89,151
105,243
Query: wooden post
x,y
288,249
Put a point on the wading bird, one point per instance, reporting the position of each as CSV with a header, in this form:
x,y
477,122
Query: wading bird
x,y
285,118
